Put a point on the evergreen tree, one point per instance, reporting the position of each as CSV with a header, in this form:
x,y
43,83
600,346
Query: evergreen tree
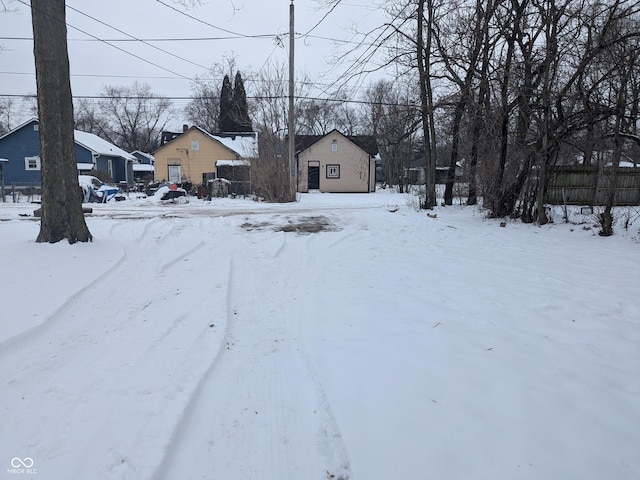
x,y
225,120
240,110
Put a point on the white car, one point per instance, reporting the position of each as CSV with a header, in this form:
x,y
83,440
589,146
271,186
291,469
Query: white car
x,y
95,190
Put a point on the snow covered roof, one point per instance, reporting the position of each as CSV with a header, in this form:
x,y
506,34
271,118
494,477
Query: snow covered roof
x,y
85,166
220,180
233,163
245,146
624,164
143,167
143,154
100,146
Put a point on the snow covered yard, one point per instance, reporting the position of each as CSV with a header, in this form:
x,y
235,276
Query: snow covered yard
x,y
345,336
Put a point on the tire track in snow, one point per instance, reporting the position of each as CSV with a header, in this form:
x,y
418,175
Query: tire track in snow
x,y
259,412
130,357
18,341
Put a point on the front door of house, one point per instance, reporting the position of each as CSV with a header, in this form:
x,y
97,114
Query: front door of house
x,y
314,177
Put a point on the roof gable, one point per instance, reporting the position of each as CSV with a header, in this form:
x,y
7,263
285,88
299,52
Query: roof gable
x,y
138,154
368,143
22,125
240,145
99,146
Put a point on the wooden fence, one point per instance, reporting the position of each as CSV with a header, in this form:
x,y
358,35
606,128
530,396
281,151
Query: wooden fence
x,y
582,185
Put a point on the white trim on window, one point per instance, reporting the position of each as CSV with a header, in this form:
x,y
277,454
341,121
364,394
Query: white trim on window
x,y
32,163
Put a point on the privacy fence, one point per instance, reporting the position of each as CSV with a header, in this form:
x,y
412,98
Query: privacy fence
x,y
586,185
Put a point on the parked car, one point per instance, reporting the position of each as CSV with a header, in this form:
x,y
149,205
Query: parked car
x,y
95,190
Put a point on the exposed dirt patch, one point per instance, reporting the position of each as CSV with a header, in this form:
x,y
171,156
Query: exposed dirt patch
x,y
301,225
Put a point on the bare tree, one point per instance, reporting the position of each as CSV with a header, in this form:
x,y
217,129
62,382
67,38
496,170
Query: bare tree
x,y
133,117
87,118
62,216
623,58
204,108
394,120
6,114
460,40
270,173
269,101
426,24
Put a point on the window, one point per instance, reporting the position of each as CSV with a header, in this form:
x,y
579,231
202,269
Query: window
x,y
36,127
32,163
195,146
174,173
334,146
333,171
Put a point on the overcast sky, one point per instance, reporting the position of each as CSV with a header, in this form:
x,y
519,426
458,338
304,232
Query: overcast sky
x,y
254,32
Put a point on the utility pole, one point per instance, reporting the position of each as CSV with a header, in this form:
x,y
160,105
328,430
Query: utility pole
x,y
292,134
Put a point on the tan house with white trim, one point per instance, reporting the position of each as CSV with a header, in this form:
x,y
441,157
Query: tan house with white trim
x,y
188,156
336,163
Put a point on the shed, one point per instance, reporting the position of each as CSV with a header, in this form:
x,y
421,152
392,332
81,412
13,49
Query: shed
x,y
238,173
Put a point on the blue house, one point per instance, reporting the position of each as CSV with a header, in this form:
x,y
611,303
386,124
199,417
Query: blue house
x,y
21,147
144,166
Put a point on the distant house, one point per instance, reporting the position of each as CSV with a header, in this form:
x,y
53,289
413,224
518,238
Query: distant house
x,y
143,166
192,155
336,163
21,147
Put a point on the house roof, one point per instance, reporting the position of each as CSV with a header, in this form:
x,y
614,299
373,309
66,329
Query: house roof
x,y
233,163
145,155
6,134
368,143
245,146
143,167
100,146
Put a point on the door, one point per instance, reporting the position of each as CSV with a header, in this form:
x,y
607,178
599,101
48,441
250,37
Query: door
x,y
314,177
174,173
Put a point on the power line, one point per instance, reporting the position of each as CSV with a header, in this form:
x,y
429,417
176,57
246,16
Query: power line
x,y
240,35
97,75
181,98
112,45
333,7
188,39
134,38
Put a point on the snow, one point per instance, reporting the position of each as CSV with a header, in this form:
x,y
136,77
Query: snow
x,y
99,146
143,167
245,146
231,339
233,163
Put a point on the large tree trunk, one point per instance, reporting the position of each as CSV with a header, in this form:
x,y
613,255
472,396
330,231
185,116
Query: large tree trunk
x,y
62,215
